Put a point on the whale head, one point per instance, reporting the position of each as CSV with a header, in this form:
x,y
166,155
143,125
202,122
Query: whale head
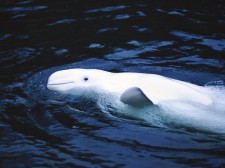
x,y
99,85
77,81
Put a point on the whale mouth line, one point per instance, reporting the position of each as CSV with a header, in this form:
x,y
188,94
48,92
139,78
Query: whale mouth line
x,y
61,83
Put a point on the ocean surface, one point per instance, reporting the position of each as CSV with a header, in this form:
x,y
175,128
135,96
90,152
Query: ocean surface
x,y
184,40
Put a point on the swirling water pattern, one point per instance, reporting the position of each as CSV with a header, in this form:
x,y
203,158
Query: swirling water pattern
x,y
39,128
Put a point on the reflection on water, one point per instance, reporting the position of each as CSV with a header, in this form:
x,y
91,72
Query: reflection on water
x,y
182,40
23,9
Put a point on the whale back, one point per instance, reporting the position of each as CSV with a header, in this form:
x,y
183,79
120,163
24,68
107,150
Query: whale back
x,y
157,88
142,87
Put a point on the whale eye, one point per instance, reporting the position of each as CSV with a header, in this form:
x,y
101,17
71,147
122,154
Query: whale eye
x,y
85,78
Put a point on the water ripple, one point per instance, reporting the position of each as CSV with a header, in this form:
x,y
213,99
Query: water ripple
x,y
107,9
215,44
40,128
186,35
121,17
172,12
64,21
23,9
218,45
121,54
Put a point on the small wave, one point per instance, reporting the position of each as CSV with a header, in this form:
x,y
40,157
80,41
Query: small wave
x,y
107,9
64,21
218,83
151,46
23,9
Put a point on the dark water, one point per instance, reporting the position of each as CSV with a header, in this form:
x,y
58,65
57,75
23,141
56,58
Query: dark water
x,y
179,39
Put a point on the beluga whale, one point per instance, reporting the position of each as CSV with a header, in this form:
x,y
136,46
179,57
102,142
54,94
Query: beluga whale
x,y
133,89
159,100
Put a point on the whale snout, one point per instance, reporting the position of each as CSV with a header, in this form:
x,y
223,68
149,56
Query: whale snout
x,y
60,81
58,85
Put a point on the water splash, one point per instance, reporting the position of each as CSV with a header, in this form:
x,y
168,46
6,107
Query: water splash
x,y
176,114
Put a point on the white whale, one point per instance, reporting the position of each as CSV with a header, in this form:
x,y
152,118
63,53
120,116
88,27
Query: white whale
x,y
159,100
135,89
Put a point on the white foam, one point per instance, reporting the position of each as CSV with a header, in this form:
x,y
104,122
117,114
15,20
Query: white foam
x,y
180,114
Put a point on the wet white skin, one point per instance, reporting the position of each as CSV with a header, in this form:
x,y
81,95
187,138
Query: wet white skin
x,y
157,88
176,101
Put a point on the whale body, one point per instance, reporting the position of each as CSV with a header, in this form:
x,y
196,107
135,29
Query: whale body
x,y
158,100
134,89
